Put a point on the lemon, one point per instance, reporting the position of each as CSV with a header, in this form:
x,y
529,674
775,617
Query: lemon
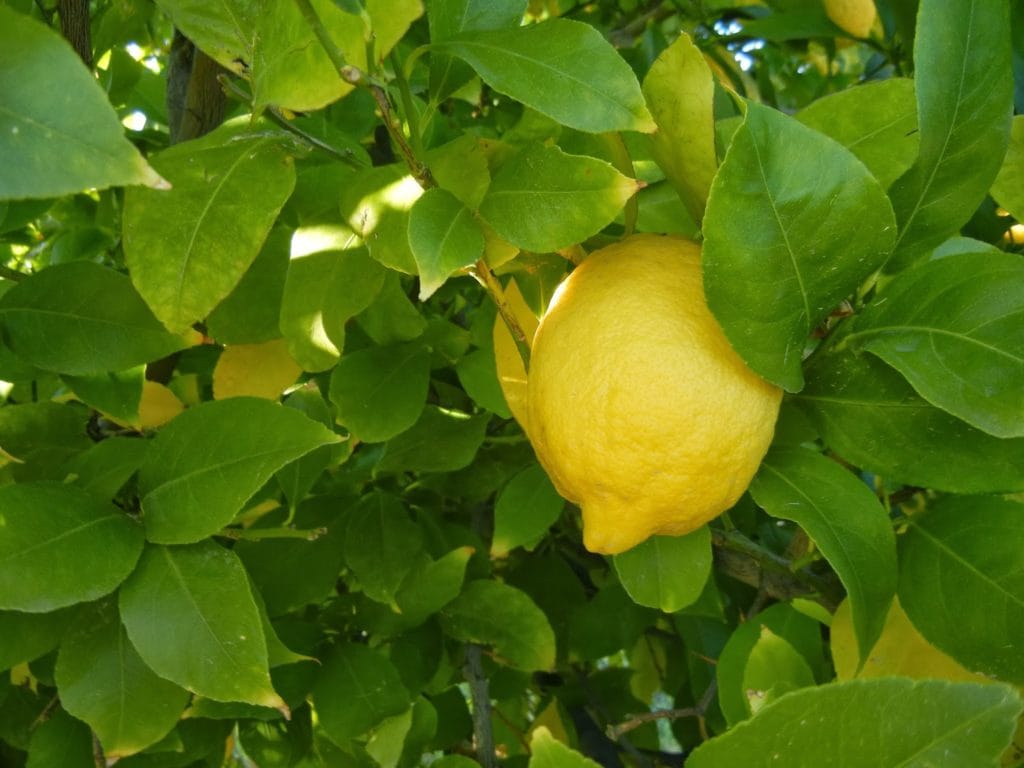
x,y
639,409
857,17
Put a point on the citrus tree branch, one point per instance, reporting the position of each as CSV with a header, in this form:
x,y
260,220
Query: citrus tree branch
x,y
615,732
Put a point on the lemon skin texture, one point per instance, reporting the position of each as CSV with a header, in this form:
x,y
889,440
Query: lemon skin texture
x,y
856,17
640,410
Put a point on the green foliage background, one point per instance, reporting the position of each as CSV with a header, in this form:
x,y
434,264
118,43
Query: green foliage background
x,y
263,501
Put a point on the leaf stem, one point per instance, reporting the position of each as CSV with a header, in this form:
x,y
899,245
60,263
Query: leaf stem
x,y
11,274
412,117
483,275
257,534
334,53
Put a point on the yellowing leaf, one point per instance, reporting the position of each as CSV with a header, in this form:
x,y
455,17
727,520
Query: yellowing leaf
x,y
511,370
255,370
157,406
900,650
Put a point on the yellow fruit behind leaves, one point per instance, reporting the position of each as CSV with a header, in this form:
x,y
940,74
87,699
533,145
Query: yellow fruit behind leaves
x,y
157,406
255,370
857,17
639,408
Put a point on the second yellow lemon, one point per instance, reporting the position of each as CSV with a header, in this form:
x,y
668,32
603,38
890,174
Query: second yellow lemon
x,y
639,409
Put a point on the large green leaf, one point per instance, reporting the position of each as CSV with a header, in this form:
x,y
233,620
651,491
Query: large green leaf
x,y
43,432
106,466
845,522
60,546
964,103
773,669
495,614
548,752
57,140
323,290
961,582
955,329
356,690
428,589
188,247
81,318
223,30
290,68
381,545
103,681
886,721
876,121
444,237
1008,188
563,69
205,464
441,440
114,393
60,740
191,616
869,414
794,224
680,89
381,391
667,572
543,199
450,17
27,636
526,507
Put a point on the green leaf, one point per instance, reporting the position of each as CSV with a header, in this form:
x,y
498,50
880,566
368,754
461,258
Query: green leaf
x,y
844,520
925,722
298,478
801,632
450,17
666,572
877,121
381,545
1008,188
191,616
290,68
563,69
547,752
495,614
955,329
106,466
61,546
103,681
290,573
380,391
114,393
680,91
526,507
323,290
249,314
392,317
42,432
440,441
961,583
478,375
61,740
964,103
57,141
27,636
774,668
815,224
80,318
444,237
223,30
356,690
375,204
543,199
429,589
205,464
187,248
869,414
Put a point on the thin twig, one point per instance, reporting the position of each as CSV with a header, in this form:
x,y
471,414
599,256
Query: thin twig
x,y
635,721
256,534
483,275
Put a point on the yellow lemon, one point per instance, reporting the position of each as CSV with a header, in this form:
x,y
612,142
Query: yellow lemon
x,y
856,17
639,409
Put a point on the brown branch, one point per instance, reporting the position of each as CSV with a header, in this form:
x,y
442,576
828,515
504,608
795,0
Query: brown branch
x,y
614,732
196,103
74,25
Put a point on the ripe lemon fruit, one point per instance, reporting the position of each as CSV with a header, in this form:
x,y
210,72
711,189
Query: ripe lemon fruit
x,y
639,409
857,17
